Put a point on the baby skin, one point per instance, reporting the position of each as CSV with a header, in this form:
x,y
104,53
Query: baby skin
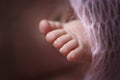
x,y
69,38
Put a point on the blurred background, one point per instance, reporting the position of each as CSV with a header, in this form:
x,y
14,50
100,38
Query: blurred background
x,y
24,53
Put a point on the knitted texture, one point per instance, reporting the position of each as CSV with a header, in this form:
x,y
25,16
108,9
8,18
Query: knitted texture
x,y
101,20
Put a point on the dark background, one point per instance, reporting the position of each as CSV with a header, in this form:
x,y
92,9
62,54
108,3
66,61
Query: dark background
x,y
24,53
